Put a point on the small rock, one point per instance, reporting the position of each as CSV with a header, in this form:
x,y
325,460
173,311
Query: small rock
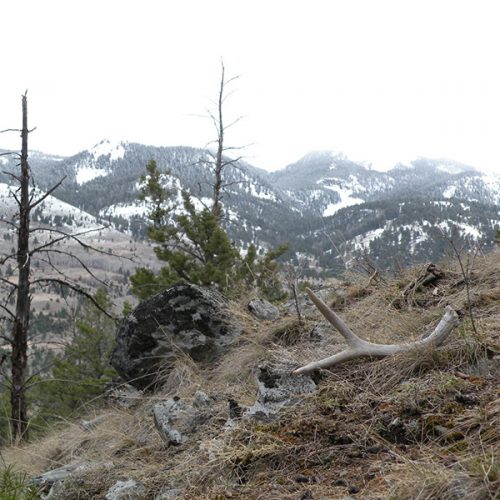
x,y
166,414
52,480
300,478
263,310
126,490
56,491
466,399
235,410
176,419
48,478
201,400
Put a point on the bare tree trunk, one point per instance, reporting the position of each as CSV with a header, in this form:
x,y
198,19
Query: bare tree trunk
x,y
219,165
19,417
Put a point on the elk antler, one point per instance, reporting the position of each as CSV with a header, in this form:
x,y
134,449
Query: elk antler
x,y
360,348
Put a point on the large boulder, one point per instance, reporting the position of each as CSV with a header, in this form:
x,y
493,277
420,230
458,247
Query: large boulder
x,y
185,318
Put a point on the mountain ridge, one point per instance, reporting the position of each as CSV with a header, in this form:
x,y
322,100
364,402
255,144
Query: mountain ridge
x,y
323,197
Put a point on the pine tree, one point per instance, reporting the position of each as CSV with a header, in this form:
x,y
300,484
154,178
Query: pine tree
x,y
194,246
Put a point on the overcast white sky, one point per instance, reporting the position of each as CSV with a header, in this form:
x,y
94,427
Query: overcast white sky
x,y
382,81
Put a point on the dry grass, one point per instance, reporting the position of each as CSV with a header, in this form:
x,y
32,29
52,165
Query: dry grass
x,y
424,425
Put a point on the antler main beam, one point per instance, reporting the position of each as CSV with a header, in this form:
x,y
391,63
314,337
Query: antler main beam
x,y
358,348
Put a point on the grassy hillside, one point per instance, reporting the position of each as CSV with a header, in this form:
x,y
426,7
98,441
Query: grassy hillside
x,y
424,425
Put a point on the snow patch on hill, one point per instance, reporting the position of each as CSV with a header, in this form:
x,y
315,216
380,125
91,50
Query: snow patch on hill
x,y
88,173
86,169
126,210
115,150
346,200
51,208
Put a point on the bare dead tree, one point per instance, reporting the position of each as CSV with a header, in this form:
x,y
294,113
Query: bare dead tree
x,y
19,356
293,274
466,270
358,347
18,316
220,161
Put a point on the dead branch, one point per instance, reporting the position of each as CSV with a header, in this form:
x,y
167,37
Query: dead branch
x,y
47,194
77,289
71,256
10,130
74,237
14,176
358,347
7,282
8,311
7,257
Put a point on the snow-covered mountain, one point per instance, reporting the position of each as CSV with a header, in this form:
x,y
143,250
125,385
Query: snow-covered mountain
x,y
326,206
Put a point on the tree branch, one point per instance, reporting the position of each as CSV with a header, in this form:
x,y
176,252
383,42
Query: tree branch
x,y
76,289
8,153
48,193
10,130
15,177
8,311
7,282
68,254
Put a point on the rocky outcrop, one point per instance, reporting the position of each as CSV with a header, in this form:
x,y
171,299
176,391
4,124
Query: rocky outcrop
x,y
185,318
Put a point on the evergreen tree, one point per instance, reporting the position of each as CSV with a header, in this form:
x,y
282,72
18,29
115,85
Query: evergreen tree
x,y
81,373
195,248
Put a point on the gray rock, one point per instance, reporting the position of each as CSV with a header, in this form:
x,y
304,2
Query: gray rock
x,y
276,388
201,400
176,419
52,481
126,490
56,491
262,309
60,474
185,318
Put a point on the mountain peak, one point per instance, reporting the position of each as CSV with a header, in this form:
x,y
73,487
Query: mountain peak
x,y
115,149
